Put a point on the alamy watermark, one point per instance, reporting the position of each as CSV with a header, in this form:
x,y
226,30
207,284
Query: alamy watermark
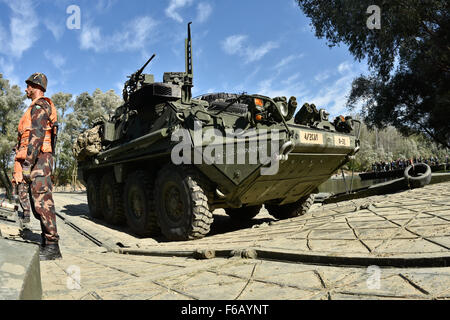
x,y
374,20
73,277
73,22
373,282
211,146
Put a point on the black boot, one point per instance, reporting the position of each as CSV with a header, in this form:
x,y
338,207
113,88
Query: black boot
x,y
50,252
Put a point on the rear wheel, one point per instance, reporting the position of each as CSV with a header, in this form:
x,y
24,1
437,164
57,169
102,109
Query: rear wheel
x,y
243,213
139,204
181,204
291,210
111,200
93,196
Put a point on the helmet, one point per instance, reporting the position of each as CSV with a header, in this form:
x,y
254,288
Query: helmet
x,y
38,78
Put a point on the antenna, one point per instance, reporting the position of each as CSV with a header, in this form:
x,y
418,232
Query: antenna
x,y
188,45
186,88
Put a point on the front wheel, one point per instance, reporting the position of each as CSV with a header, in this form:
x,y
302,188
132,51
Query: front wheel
x,y
181,204
291,210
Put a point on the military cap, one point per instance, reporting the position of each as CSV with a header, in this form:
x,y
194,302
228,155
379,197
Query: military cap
x,y
38,78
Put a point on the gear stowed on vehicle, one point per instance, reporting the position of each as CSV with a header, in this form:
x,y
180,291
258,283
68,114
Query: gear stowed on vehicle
x,y
167,160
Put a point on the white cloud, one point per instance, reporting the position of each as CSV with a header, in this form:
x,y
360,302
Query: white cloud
x,y
7,70
333,96
291,79
285,61
105,5
174,5
344,67
204,10
90,38
23,30
57,29
290,87
56,59
134,36
322,76
235,45
254,54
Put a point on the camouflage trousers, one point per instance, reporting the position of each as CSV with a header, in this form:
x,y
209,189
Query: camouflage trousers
x,y
42,199
23,192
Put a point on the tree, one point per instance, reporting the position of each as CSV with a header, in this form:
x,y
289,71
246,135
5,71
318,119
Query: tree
x,y
86,109
105,103
11,109
409,57
63,158
389,144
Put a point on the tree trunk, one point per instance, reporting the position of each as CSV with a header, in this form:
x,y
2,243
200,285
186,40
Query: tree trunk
x,y
74,178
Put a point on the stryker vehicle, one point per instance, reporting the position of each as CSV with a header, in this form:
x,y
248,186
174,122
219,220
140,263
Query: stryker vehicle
x,y
164,161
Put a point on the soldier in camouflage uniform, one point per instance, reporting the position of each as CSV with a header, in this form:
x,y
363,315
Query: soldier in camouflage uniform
x,y
38,163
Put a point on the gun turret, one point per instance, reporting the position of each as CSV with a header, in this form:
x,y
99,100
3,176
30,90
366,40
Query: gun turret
x,y
131,85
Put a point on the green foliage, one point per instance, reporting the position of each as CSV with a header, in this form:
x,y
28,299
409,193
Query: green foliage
x,y
409,87
389,144
63,158
83,111
11,109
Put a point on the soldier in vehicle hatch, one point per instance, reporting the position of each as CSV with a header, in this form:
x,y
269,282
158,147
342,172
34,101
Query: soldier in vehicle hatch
x,y
34,162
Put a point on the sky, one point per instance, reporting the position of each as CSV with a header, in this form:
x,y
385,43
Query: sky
x,y
262,47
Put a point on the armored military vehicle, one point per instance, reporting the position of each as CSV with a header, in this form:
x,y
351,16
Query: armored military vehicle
x,y
164,161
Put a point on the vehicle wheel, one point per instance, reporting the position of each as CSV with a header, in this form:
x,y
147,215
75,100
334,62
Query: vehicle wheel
x,y
418,175
291,210
139,204
243,213
182,204
93,196
111,200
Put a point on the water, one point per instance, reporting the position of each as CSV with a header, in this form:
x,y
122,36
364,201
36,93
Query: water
x,y
337,185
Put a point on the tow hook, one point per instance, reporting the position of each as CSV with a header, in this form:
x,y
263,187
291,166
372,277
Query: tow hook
x,y
285,149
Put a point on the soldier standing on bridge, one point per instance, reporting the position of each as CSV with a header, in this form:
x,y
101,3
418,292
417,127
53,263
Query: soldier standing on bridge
x,y
34,158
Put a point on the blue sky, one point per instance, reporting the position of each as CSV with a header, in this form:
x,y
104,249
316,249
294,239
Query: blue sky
x,y
256,46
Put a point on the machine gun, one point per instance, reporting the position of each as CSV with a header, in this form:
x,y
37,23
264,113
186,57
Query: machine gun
x,y
135,79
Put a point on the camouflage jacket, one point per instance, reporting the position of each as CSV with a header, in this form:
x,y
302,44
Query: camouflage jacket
x,y
39,118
